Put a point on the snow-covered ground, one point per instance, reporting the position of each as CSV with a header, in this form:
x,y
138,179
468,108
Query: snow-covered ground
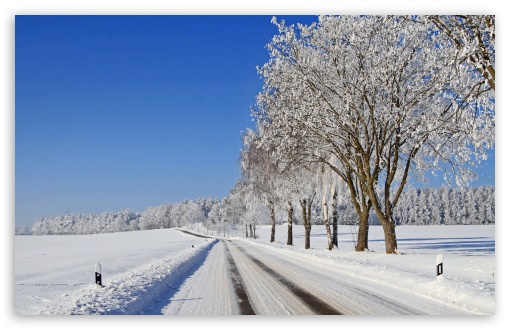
x,y
54,275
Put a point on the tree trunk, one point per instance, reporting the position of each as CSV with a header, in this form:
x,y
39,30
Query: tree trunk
x,y
385,216
246,225
362,244
273,223
309,211
290,212
390,235
335,219
306,222
326,222
251,231
362,204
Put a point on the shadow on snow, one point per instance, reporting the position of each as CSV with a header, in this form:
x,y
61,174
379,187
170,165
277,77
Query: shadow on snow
x,y
175,280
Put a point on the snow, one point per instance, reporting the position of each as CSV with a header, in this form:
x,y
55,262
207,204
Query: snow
x,y
169,272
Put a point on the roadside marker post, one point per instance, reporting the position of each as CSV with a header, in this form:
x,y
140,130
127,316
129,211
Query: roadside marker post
x,y
98,276
439,266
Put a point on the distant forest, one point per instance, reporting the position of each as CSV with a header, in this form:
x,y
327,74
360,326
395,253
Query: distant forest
x,y
437,206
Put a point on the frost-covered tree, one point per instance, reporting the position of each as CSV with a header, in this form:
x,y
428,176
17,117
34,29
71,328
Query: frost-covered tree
x,y
292,184
23,230
324,177
382,97
474,38
446,206
236,208
214,216
261,171
305,188
81,224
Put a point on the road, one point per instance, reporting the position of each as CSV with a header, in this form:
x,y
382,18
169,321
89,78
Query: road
x,y
241,277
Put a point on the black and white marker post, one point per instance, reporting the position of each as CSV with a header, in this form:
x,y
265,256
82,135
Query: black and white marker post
x,y
439,266
99,282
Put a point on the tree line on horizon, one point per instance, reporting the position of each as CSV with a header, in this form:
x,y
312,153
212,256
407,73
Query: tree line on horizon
x,y
426,206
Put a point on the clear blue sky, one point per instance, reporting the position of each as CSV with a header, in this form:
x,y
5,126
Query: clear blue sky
x,y
128,112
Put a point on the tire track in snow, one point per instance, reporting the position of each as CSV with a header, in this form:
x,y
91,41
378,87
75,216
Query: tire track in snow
x,y
243,301
315,304
351,295
242,297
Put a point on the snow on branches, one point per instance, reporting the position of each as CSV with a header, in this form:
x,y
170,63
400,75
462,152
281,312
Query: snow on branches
x,y
376,99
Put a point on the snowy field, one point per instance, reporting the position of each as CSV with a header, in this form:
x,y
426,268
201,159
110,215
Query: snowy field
x,y
54,275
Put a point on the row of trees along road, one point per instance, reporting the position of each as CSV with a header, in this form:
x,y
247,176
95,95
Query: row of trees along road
x,y
355,105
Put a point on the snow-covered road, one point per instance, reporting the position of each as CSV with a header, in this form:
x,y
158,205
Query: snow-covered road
x,y
170,272
284,284
208,291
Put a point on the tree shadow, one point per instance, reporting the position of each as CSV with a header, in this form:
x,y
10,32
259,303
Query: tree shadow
x,y
464,244
449,244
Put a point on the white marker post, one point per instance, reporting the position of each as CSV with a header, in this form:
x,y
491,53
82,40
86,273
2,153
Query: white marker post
x,y
439,266
98,276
